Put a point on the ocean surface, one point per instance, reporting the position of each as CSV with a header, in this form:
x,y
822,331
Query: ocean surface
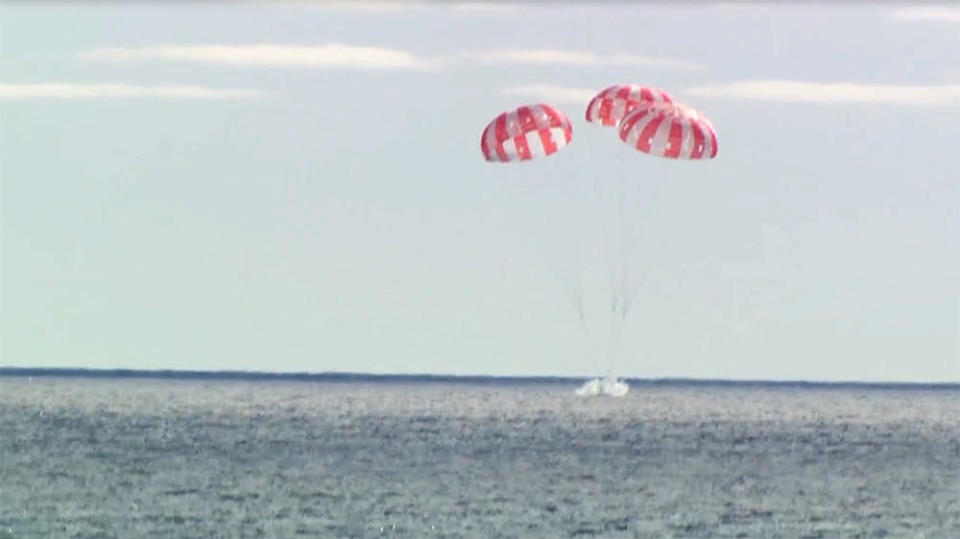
x,y
132,457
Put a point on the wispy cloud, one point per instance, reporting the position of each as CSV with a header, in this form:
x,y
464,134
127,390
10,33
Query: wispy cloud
x,y
396,7
484,7
94,91
552,94
927,13
575,58
341,56
331,56
738,6
839,92
360,5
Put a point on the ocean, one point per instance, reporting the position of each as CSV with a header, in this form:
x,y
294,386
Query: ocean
x,y
152,456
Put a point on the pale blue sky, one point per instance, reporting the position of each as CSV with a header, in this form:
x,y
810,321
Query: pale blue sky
x,y
299,187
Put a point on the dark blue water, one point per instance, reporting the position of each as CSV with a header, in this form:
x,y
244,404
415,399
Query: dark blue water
x,y
259,455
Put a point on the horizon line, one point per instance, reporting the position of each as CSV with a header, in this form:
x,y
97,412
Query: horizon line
x,y
337,376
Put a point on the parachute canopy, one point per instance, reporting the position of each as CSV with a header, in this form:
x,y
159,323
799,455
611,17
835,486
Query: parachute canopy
x,y
610,105
524,133
669,130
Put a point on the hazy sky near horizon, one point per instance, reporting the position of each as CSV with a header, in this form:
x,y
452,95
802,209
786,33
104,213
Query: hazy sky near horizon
x,y
300,187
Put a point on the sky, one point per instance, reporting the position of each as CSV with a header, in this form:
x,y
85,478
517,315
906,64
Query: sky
x,y
299,187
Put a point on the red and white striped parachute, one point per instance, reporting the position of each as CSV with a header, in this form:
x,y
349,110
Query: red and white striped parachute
x,y
669,130
610,105
526,132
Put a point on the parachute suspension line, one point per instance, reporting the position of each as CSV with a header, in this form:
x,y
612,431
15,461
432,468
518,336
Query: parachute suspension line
x,y
577,292
614,264
580,183
618,314
598,197
627,283
616,333
610,256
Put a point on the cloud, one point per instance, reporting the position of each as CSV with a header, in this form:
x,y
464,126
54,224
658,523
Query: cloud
x,y
359,5
333,55
738,6
928,13
397,7
576,58
840,92
93,91
483,7
552,94
340,56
